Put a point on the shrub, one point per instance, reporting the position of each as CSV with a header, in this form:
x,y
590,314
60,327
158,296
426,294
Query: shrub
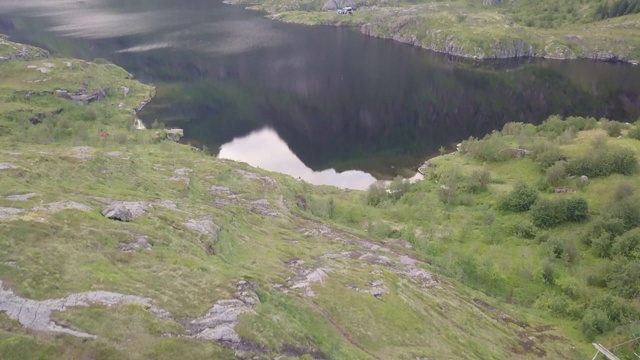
x,y
570,252
492,147
376,193
545,153
519,199
627,210
524,230
634,132
627,244
556,173
601,245
554,125
624,189
478,181
398,187
623,278
547,213
593,323
603,161
577,209
613,128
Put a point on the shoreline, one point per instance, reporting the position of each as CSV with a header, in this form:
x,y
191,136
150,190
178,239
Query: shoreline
x,y
509,42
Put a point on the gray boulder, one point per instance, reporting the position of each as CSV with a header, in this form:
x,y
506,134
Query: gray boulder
x,y
336,4
117,212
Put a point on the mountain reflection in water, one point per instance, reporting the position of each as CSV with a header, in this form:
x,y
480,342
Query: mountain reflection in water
x,y
265,149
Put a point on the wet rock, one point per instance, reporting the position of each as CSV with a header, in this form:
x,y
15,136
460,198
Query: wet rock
x,y
23,197
117,212
9,212
263,207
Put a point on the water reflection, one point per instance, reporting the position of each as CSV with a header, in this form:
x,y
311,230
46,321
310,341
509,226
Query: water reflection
x,y
265,149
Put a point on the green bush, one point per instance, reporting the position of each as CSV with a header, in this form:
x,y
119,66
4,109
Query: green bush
x,y
398,187
556,173
627,244
376,193
478,181
493,147
519,199
603,161
634,132
593,323
623,278
624,189
601,245
577,209
524,230
548,213
613,128
627,210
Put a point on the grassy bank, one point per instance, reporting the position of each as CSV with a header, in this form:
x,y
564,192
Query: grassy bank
x,y
482,29
410,273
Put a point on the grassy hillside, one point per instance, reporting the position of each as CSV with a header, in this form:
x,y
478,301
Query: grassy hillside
x,y
596,29
219,260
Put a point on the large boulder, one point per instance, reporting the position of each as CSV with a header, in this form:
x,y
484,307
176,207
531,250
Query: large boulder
x,y
117,212
336,4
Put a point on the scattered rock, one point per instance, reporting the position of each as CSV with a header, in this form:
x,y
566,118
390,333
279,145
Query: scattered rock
x,y
305,276
82,96
23,197
423,168
125,90
5,166
220,321
141,242
221,190
416,272
336,4
12,264
9,212
36,315
62,205
82,152
181,175
584,180
399,242
251,175
113,153
168,204
117,212
263,207
174,134
206,227
563,190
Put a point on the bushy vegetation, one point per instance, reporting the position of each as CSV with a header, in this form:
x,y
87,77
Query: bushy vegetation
x,y
604,160
547,213
521,198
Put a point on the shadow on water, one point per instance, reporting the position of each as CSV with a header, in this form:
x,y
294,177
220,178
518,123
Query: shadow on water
x,y
334,98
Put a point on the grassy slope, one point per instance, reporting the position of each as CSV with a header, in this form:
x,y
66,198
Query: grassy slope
x,y
468,28
46,254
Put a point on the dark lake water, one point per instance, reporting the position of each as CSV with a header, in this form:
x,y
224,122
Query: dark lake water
x,y
326,104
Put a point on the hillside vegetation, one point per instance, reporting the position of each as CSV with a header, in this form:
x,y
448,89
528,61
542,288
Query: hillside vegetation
x,y
214,259
595,29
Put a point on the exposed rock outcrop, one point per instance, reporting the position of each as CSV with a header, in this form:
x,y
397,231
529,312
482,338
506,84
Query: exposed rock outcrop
x,y
82,96
117,212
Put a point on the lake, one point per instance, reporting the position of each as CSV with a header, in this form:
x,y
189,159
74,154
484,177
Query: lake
x,y
325,104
